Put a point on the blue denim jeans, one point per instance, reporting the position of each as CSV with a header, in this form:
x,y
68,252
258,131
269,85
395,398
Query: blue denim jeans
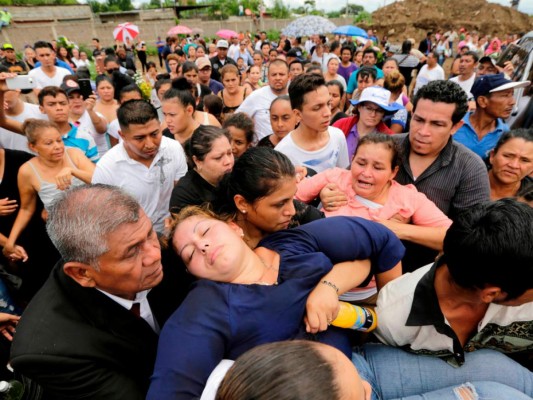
x,y
394,373
473,391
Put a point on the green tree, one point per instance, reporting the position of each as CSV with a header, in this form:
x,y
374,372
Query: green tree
x,y
111,5
352,9
123,5
222,9
309,6
318,12
363,16
279,10
299,10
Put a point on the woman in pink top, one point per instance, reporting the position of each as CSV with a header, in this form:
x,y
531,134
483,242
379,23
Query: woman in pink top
x,y
373,194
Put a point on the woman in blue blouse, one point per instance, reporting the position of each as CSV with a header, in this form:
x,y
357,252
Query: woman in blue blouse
x,y
247,297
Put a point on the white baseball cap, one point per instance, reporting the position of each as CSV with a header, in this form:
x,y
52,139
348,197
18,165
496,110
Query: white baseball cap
x,y
222,44
380,97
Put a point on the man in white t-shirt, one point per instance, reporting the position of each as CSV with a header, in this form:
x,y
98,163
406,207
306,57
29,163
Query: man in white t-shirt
x,y
19,111
431,71
467,72
257,104
234,48
47,74
145,164
259,43
314,144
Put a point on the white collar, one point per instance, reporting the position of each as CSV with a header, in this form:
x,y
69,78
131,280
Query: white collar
x,y
127,304
144,306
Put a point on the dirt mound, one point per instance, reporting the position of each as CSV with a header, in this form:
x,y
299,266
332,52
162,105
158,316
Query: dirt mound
x,y
413,18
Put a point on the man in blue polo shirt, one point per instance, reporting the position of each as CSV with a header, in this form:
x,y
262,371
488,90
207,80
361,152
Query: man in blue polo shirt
x,y
53,102
494,95
370,57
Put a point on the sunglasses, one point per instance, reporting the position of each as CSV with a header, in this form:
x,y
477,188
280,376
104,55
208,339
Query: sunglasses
x,y
111,70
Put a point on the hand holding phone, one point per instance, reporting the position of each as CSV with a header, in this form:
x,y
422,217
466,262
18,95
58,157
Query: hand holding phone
x,y
85,88
20,82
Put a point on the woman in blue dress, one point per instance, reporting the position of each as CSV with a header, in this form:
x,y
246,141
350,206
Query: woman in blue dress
x,y
246,297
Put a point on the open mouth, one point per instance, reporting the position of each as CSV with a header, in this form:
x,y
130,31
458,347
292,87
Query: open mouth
x,y
364,184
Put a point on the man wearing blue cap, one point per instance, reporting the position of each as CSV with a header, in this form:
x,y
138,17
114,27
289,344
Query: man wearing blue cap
x,y
494,95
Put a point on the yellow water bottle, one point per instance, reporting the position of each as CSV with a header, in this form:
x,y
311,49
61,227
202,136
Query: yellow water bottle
x,y
355,317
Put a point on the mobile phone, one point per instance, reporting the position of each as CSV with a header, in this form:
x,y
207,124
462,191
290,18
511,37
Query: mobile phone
x,y
20,82
100,64
85,88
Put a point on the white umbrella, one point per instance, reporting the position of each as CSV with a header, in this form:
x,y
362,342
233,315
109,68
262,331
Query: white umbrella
x,y
307,26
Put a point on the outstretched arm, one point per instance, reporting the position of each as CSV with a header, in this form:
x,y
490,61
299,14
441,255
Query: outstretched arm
x,y
7,123
352,238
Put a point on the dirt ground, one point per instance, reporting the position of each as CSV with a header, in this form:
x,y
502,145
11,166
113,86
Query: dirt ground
x,y
413,18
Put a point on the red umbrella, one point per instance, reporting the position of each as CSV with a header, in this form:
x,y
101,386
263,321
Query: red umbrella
x,y
227,34
179,30
125,30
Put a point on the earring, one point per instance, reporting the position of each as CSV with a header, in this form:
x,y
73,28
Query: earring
x,y
243,211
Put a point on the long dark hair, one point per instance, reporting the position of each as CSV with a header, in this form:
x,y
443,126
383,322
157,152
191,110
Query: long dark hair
x,y
256,174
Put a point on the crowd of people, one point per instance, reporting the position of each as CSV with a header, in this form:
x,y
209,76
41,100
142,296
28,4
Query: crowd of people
x,y
188,230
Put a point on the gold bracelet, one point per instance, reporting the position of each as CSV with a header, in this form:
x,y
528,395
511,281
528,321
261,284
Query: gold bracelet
x,y
330,284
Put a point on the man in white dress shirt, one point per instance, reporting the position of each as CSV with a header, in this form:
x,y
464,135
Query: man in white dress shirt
x,y
145,164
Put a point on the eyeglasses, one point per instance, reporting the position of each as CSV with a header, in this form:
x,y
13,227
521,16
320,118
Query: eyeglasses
x,y
373,110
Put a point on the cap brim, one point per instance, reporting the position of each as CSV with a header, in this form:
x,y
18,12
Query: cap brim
x,y
489,59
390,109
511,85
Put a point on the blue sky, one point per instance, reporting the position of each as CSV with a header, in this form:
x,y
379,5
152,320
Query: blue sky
x,y
526,6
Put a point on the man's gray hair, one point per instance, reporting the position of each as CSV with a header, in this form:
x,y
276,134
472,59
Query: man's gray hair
x,y
80,221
